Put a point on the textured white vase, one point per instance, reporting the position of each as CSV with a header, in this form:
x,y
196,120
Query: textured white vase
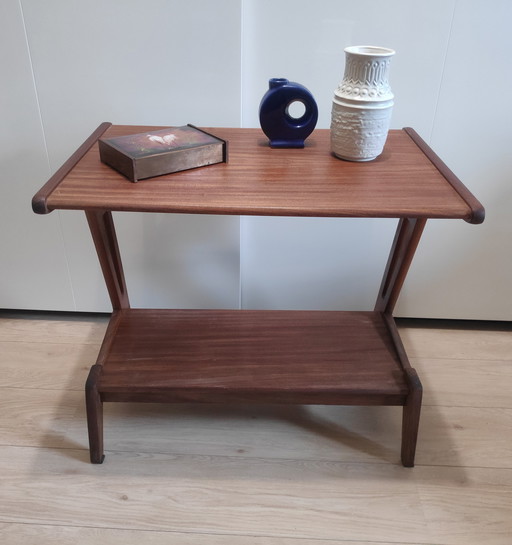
x,y
362,105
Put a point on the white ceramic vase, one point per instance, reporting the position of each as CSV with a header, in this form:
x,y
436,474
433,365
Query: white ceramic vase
x,y
362,104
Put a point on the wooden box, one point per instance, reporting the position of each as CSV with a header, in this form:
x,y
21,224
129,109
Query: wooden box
x,y
148,154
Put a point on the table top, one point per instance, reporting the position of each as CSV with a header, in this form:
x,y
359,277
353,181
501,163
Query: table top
x,y
407,180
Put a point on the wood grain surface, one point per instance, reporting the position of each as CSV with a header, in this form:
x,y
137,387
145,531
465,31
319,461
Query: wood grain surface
x,y
272,356
258,180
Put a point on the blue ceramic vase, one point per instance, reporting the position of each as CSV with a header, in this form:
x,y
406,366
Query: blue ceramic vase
x,y
283,130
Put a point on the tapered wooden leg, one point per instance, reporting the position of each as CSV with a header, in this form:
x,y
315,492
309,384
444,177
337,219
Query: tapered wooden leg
x,y
104,236
101,225
406,240
407,237
94,407
411,419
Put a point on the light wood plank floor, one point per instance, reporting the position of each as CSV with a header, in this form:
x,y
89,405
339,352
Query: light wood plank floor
x,y
264,475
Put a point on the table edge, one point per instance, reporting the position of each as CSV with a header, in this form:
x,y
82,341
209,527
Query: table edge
x,y
40,199
477,210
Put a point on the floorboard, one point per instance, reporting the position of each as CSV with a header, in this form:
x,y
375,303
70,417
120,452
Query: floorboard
x,y
253,475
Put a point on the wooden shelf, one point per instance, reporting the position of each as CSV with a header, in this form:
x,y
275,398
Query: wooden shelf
x,y
256,356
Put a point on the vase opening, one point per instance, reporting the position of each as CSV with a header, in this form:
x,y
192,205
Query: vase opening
x,y
369,50
277,82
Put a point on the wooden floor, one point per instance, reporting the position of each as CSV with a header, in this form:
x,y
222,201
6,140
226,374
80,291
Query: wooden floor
x,y
263,475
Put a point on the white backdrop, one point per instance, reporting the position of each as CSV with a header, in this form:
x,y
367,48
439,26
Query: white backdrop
x,y
67,65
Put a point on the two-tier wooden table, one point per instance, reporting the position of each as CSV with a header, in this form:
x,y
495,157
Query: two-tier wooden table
x,y
301,357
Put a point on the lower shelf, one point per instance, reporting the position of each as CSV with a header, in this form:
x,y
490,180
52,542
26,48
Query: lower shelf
x,y
305,357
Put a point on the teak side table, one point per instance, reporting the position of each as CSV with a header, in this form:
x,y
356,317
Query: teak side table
x,y
301,357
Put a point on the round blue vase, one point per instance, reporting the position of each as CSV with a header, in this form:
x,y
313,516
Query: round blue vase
x,y
283,130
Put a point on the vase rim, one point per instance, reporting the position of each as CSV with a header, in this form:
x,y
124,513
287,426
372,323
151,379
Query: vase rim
x,y
376,51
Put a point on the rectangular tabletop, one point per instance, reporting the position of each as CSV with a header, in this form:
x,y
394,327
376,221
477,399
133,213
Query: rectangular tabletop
x,y
407,180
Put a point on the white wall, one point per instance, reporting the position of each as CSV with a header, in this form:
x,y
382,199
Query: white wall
x,y
466,271
69,64
33,267
155,62
304,263
452,82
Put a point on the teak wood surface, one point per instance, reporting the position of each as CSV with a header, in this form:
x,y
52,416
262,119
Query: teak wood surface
x,y
303,357
259,180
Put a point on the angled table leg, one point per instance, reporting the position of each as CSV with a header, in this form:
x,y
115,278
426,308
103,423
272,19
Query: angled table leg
x,y
103,233
94,408
104,236
406,241
407,237
411,418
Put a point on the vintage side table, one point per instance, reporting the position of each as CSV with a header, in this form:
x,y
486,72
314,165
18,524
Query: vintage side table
x,y
301,357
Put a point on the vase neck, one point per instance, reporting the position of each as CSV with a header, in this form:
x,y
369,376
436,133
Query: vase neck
x,y
366,77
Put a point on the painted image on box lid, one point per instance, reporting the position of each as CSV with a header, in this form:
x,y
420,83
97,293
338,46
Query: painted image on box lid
x,y
165,140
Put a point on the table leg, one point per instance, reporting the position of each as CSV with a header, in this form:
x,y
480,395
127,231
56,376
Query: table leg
x,y
104,236
411,418
406,241
94,407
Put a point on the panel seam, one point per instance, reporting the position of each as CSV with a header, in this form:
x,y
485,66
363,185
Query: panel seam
x,y
45,144
443,72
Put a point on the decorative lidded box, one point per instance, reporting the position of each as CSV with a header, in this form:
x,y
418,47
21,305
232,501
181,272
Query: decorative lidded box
x,y
148,154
